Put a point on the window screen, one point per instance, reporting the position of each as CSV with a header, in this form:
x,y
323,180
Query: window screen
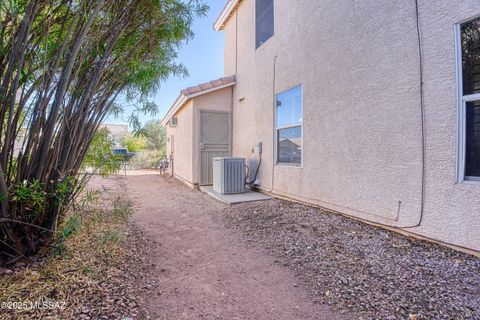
x,y
264,25
472,143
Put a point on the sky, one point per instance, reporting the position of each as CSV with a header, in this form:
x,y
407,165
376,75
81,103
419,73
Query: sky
x,y
203,57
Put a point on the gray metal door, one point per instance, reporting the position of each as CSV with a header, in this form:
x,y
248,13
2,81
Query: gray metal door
x,y
215,130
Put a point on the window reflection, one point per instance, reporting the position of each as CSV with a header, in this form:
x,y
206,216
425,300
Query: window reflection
x,y
290,145
289,126
471,57
264,24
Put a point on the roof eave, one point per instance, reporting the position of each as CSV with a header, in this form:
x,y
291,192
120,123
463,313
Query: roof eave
x,y
179,102
182,99
225,14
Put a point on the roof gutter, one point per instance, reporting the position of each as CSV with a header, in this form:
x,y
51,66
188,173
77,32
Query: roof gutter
x,y
225,14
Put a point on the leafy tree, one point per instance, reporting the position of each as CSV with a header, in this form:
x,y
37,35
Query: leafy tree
x,y
64,65
134,143
155,136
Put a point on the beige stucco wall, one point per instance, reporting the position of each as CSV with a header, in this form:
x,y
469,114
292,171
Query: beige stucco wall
x,y
183,143
186,140
358,63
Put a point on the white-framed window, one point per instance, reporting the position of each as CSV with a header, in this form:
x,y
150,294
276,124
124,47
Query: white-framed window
x,y
264,21
468,78
289,126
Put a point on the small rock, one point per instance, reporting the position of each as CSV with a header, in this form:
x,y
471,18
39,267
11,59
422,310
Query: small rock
x,y
5,271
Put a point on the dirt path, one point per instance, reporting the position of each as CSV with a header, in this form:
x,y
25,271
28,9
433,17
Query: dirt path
x,y
205,271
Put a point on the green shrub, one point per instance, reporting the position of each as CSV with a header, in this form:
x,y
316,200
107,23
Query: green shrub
x,y
30,196
134,143
100,158
148,159
72,225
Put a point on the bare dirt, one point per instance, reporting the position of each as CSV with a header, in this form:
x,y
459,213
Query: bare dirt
x,y
201,269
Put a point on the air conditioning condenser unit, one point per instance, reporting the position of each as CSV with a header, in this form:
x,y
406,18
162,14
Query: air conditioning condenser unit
x,y
228,175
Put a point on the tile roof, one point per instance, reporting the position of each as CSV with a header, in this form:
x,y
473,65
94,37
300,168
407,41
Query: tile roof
x,y
208,85
198,90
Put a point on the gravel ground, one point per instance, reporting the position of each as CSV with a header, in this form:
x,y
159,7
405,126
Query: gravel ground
x,y
203,270
371,272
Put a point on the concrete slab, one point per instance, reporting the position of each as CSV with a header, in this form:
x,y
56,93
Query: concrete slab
x,y
248,196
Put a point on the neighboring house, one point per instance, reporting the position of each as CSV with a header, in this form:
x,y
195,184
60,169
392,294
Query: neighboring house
x,y
117,132
368,108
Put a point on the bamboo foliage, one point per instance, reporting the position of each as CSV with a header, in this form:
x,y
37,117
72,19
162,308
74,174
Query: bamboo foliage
x,y
63,65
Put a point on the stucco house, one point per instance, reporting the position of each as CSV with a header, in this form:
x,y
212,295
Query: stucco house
x,y
367,108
